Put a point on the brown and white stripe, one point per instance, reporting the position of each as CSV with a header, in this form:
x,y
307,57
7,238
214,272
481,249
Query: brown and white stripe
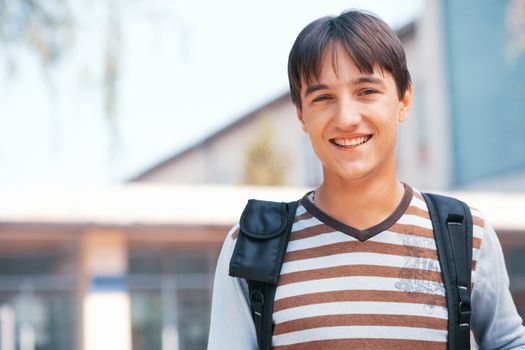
x,y
385,292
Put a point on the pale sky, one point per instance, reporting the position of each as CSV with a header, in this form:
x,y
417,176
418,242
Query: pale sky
x,y
187,68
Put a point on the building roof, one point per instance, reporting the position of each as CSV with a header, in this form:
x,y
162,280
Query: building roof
x,y
238,122
133,204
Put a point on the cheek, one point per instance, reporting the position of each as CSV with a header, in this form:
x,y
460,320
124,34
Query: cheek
x,y
309,123
316,128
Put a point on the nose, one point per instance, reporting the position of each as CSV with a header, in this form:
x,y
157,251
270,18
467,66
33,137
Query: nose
x,y
348,114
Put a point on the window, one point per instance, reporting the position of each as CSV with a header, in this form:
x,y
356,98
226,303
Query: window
x,y
170,291
38,294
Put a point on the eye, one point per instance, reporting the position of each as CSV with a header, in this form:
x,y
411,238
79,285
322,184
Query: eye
x,y
366,92
321,98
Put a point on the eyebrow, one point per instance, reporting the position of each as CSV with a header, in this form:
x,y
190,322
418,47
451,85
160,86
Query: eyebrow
x,y
313,88
362,80
368,79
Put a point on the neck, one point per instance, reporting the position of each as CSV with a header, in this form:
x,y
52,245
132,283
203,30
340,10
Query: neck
x,y
360,204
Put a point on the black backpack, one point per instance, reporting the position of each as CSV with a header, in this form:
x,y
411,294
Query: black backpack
x,y
263,237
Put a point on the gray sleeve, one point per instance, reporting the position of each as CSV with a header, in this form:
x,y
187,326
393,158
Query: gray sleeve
x,y
231,324
495,320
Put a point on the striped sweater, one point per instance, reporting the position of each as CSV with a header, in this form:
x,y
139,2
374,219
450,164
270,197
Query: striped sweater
x,y
343,288
336,291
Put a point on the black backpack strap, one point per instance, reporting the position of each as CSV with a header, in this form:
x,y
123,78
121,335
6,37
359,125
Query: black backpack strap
x,y
264,231
262,297
452,223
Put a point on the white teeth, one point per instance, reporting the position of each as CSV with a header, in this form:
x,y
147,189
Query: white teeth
x,y
351,142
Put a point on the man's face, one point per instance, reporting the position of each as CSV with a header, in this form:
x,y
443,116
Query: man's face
x,y
351,118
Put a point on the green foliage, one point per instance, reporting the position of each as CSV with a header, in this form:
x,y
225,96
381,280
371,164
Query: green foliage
x,y
264,165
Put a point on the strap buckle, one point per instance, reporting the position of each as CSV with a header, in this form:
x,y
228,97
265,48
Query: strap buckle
x,y
257,301
464,307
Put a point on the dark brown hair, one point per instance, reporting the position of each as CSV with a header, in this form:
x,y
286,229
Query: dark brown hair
x,y
368,40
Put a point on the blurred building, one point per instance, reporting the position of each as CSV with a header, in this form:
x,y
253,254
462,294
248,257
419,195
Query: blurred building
x,y
466,128
473,107
131,267
116,268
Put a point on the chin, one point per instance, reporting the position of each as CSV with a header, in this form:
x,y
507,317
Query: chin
x,y
348,174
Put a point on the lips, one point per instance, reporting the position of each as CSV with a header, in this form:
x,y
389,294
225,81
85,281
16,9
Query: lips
x,y
350,142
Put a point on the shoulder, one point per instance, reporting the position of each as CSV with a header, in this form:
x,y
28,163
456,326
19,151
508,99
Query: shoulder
x,y
479,225
233,233
478,218
480,231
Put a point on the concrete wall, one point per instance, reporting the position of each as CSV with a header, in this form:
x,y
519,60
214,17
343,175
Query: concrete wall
x,y
424,139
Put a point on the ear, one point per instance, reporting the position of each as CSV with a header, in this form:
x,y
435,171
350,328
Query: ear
x,y
405,104
300,118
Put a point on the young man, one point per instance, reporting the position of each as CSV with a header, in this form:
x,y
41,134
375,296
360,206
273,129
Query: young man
x,y
361,268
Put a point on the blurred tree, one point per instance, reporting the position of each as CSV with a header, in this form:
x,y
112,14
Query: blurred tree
x,y
46,26
111,70
264,165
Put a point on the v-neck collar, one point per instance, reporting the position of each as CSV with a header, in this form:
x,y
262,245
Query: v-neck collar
x,y
361,235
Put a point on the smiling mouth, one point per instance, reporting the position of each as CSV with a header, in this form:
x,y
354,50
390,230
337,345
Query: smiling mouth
x,y
350,142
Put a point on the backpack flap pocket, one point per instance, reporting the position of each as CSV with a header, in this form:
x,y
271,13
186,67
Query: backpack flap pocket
x,y
261,242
